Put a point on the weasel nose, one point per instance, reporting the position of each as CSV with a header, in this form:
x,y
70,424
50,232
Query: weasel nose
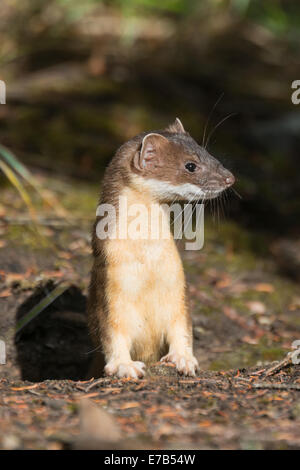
x,y
230,180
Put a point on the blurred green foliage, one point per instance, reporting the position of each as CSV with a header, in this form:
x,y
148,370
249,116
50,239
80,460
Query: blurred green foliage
x,y
83,77
277,15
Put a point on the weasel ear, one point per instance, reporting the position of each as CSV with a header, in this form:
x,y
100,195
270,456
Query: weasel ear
x,y
153,146
176,127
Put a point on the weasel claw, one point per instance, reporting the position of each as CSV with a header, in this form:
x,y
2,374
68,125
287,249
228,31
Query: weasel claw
x,y
185,365
133,369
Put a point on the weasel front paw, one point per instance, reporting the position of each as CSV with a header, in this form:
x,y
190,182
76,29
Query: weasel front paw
x,y
186,365
133,369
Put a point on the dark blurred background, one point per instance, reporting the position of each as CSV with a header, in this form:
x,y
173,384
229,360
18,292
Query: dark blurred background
x,y
83,77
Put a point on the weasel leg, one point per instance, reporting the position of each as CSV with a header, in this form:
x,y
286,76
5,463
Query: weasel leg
x,y
119,361
181,350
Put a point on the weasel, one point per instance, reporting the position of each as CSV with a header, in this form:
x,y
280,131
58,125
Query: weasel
x,y
137,309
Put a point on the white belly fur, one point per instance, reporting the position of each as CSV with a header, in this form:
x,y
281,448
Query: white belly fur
x,y
145,291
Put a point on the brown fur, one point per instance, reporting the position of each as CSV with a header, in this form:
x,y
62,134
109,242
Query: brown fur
x,y
136,305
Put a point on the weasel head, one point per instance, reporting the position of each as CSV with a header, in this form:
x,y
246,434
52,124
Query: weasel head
x,y
171,165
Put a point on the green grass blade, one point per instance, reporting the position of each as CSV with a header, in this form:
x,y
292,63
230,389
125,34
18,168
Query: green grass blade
x,y
44,303
19,168
12,177
12,160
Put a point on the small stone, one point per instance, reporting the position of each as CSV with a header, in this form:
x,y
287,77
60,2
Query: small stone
x,y
256,307
11,442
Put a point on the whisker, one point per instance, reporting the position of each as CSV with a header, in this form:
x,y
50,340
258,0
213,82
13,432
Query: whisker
x,y
93,350
214,210
218,210
210,115
216,127
221,202
225,194
236,193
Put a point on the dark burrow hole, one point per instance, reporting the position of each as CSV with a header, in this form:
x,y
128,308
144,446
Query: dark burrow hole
x,y
55,344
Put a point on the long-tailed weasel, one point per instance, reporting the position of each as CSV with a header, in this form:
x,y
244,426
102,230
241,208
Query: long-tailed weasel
x,y
136,308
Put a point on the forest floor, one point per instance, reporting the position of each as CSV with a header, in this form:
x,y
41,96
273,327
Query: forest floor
x,y
245,315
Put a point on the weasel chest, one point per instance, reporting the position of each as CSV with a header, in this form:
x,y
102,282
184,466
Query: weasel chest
x,y
146,285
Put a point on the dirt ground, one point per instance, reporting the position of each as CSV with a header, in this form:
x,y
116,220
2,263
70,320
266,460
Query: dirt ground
x,y
245,314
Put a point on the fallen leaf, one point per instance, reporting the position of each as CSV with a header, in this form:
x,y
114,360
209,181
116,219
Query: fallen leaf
x,y
52,274
243,322
225,282
112,390
29,387
131,404
89,395
205,424
264,287
65,255
5,293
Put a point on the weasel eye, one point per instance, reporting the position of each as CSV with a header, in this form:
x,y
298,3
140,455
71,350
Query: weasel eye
x,y
191,167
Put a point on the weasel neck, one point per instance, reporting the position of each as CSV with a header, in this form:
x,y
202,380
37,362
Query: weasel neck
x,y
140,217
